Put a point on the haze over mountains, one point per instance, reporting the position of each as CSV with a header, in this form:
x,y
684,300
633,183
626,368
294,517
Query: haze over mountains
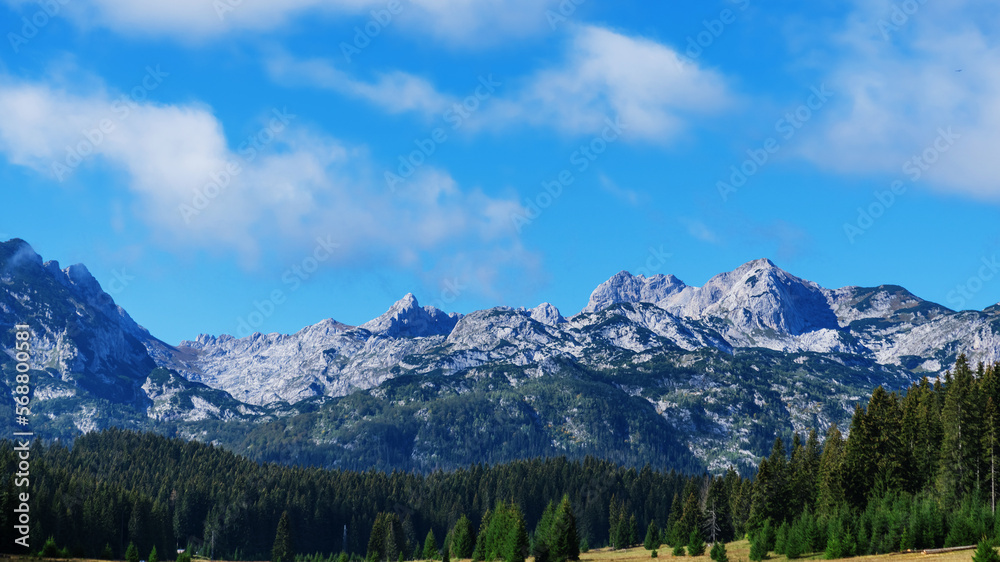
x,y
651,370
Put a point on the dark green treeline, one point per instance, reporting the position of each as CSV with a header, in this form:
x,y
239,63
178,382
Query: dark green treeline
x,y
919,469
115,487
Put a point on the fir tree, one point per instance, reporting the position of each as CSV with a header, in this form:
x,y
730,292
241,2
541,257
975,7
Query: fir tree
x,y
781,538
462,544
990,390
690,520
516,543
718,511
696,546
718,552
678,550
985,553
961,439
445,557
652,540
376,540
563,535
770,488
49,549
153,556
676,509
758,548
107,553
875,454
542,546
479,553
430,546
834,543
131,553
794,541
282,550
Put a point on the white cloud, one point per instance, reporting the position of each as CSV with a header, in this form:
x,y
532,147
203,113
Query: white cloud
x,y
699,230
295,185
395,92
459,22
621,193
897,82
605,75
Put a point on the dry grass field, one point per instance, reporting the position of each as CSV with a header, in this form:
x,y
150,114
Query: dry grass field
x,y
738,551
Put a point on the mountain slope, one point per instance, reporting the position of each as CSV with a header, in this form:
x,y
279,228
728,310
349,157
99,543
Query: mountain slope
x,y
651,371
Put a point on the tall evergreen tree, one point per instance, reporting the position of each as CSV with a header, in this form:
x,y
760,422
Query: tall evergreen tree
x,y
962,438
990,387
376,540
131,553
387,540
619,530
430,546
480,552
462,540
874,455
718,512
563,535
282,550
770,488
516,544
652,540
830,485
542,547
676,509
691,518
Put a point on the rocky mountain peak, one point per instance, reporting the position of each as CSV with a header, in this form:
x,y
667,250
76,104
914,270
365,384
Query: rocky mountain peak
x,y
16,252
755,296
406,318
625,287
760,296
547,314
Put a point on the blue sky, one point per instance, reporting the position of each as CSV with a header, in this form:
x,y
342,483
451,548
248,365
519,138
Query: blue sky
x,y
241,163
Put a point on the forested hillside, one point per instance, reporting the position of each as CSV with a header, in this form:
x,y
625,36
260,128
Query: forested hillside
x,y
917,470
117,486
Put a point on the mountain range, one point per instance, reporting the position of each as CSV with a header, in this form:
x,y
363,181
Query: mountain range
x,y
652,370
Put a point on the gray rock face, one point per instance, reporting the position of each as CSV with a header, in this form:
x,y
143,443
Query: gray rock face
x,y
761,305
625,287
406,319
547,314
91,347
79,333
756,305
